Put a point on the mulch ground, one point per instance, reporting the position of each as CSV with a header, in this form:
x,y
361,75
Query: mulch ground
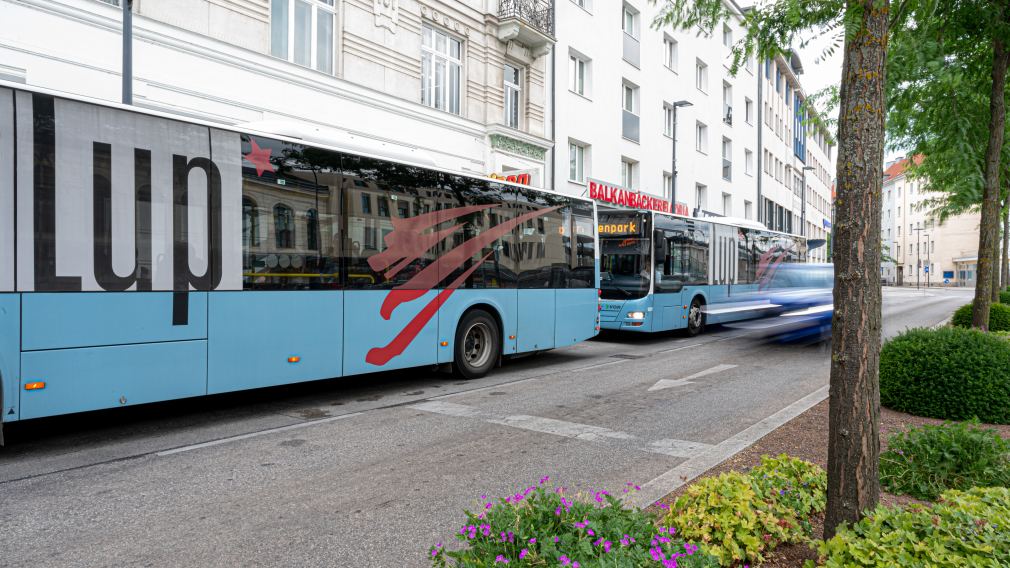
x,y
806,437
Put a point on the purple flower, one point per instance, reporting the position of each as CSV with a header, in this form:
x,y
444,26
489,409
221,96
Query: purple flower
x,y
555,540
590,532
501,560
545,479
533,541
564,560
606,545
523,553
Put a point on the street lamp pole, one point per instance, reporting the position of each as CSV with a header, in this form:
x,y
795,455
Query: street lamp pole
x,y
918,255
673,166
928,265
803,202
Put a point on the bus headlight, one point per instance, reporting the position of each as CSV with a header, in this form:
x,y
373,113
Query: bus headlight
x,y
636,315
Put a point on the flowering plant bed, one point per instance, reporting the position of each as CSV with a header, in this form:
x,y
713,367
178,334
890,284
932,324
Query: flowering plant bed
x,y
544,525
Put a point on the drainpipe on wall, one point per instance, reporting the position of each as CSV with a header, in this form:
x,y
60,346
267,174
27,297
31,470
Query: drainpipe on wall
x,y
553,91
760,149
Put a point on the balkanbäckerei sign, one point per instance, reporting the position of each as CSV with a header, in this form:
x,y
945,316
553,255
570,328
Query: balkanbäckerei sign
x,y
620,195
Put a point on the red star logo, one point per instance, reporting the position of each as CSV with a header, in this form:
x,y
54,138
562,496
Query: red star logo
x,y
259,157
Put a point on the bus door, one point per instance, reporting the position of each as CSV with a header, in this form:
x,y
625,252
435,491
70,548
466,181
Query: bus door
x,y
723,264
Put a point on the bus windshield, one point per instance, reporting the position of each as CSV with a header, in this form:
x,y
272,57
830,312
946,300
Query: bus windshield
x,y
624,268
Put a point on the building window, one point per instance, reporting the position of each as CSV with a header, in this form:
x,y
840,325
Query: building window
x,y
727,204
628,176
301,31
668,121
366,204
748,111
441,69
312,229
701,76
584,4
727,159
667,186
701,196
748,162
577,74
670,53
701,137
727,36
727,103
628,99
629,23
513,93
284,226
576,162
250,223
748,210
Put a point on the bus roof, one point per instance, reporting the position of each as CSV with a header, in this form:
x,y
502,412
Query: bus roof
x,y
326,143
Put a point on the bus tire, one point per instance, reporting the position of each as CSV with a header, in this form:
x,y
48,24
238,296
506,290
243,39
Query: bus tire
x,y
695,317
478,345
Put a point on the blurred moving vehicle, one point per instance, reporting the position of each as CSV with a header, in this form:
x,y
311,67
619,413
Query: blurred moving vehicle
x,y
797,304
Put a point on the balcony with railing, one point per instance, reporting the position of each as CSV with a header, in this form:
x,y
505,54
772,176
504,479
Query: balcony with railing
x,y
530,22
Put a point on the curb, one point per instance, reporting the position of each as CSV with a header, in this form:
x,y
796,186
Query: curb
x,y
690,469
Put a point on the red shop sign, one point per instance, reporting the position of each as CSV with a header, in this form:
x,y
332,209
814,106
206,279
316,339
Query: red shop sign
x,y
619,195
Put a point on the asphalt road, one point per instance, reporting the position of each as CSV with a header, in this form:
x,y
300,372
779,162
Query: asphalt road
x,y
370,471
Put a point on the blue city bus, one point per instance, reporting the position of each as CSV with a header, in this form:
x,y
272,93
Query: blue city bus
x,y
662,272
146,258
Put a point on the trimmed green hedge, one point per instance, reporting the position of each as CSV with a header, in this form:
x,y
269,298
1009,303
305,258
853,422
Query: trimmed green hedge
x,y
949,373
1004,297
969,528
999,316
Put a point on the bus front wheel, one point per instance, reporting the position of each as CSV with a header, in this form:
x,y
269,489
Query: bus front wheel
x,y
695,317
478,344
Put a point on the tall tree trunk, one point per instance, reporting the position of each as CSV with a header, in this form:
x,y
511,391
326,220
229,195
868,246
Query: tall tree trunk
x,y
988,234
854,411
1004,267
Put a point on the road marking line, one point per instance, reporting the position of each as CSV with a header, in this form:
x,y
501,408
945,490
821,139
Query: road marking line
x,y
565,429
685,472
220,441
670,383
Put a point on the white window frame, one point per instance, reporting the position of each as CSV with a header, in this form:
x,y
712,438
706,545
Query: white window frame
x,y
577,158
748,111
578,74
668,120
629,93
748,162
727,37
670,53
513,96
629,17
628,173
701,137
433,55
328,8
701,75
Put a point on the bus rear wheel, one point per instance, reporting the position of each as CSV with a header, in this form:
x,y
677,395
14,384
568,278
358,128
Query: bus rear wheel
x,y
478,345
695,318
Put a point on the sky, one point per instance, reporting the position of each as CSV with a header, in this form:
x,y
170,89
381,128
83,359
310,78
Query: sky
x,y
818,73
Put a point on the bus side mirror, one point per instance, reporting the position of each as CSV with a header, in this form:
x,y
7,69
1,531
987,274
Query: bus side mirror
x,y
662,247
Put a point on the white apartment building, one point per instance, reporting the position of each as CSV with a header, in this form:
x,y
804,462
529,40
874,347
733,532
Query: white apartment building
x,y
793,151
617,83
459,84
924,250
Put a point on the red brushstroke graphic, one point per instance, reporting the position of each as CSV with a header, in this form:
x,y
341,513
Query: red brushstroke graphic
x,y
406,243
768,263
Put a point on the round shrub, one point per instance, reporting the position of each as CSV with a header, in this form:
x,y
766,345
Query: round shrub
x,y
925,462
546,526
949,373
999,317
965,529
